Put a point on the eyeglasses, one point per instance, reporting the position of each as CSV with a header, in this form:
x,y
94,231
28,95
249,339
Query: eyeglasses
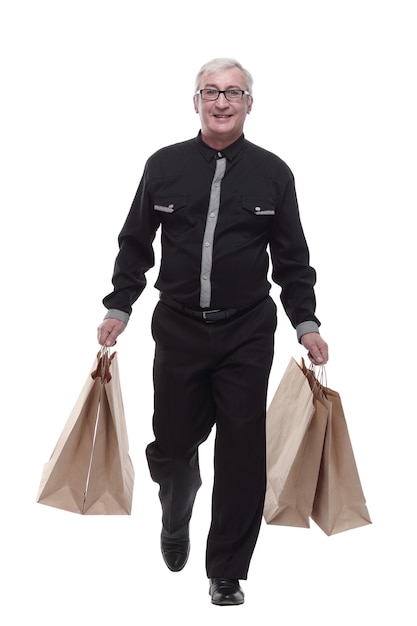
x,y
232,95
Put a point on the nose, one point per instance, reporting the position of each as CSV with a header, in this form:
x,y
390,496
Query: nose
x,y
223,102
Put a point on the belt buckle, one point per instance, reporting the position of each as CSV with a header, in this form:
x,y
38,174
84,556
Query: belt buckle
x,y
205,313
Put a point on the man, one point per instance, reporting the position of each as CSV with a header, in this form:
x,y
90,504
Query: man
x,y
221,203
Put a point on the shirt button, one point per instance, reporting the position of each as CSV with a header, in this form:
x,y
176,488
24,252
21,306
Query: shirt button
x,y
207,244
217,184
204,277
212,215
257,208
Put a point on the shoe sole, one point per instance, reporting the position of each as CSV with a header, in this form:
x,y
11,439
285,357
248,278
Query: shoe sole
x,y
225,603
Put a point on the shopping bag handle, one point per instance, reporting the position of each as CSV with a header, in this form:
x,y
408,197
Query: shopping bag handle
x,y
102,370
317,376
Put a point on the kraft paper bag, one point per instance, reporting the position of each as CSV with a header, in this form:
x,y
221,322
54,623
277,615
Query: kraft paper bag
x,y
90,470
339,502
295,428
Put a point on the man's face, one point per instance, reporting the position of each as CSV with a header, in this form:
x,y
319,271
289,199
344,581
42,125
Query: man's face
x,y
222,121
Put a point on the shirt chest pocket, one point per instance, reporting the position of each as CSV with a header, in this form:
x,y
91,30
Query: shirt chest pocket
x,y
257,215
173,213
169,204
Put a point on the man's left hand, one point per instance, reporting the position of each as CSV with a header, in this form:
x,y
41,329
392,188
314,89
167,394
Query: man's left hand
x,y
317,348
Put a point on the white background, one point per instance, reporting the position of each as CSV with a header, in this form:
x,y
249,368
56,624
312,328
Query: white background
x,y
88,90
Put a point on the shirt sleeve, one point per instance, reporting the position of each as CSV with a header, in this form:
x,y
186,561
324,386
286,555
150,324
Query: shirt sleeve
x,y
306,327
291,268
136,255
115,314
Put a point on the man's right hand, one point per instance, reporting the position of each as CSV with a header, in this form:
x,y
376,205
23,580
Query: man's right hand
x,y
108,331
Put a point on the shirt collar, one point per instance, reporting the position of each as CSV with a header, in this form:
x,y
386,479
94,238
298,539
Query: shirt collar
x,y
230,152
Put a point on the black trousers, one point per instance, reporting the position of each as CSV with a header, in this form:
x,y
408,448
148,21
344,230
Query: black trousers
x,y
208,374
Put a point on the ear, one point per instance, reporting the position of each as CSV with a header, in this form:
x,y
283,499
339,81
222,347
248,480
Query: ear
x,y
249,105
195,99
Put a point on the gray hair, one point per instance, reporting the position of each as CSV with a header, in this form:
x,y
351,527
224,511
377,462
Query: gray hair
x,y
220,64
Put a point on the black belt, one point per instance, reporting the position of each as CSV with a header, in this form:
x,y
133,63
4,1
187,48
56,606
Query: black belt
x,y
215,315
212,315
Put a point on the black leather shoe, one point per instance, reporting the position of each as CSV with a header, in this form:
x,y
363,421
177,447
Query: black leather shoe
x,y
226,592
175,548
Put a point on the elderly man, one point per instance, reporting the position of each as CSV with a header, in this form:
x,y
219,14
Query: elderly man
x,y
222,203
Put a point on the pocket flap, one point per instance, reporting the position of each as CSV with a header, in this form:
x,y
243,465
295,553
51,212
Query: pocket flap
x,y
257,206
169,204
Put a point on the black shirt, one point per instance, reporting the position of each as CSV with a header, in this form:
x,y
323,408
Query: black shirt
x,y
219,212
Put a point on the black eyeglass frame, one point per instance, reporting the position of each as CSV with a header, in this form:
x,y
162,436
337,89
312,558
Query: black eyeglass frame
x,y
243,92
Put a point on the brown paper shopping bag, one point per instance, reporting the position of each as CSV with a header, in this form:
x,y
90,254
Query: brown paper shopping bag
x,y
90,470
295,428
339,502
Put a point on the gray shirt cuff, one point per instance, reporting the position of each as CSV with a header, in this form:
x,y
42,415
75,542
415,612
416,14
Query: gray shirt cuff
x,y
306,327
115,314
